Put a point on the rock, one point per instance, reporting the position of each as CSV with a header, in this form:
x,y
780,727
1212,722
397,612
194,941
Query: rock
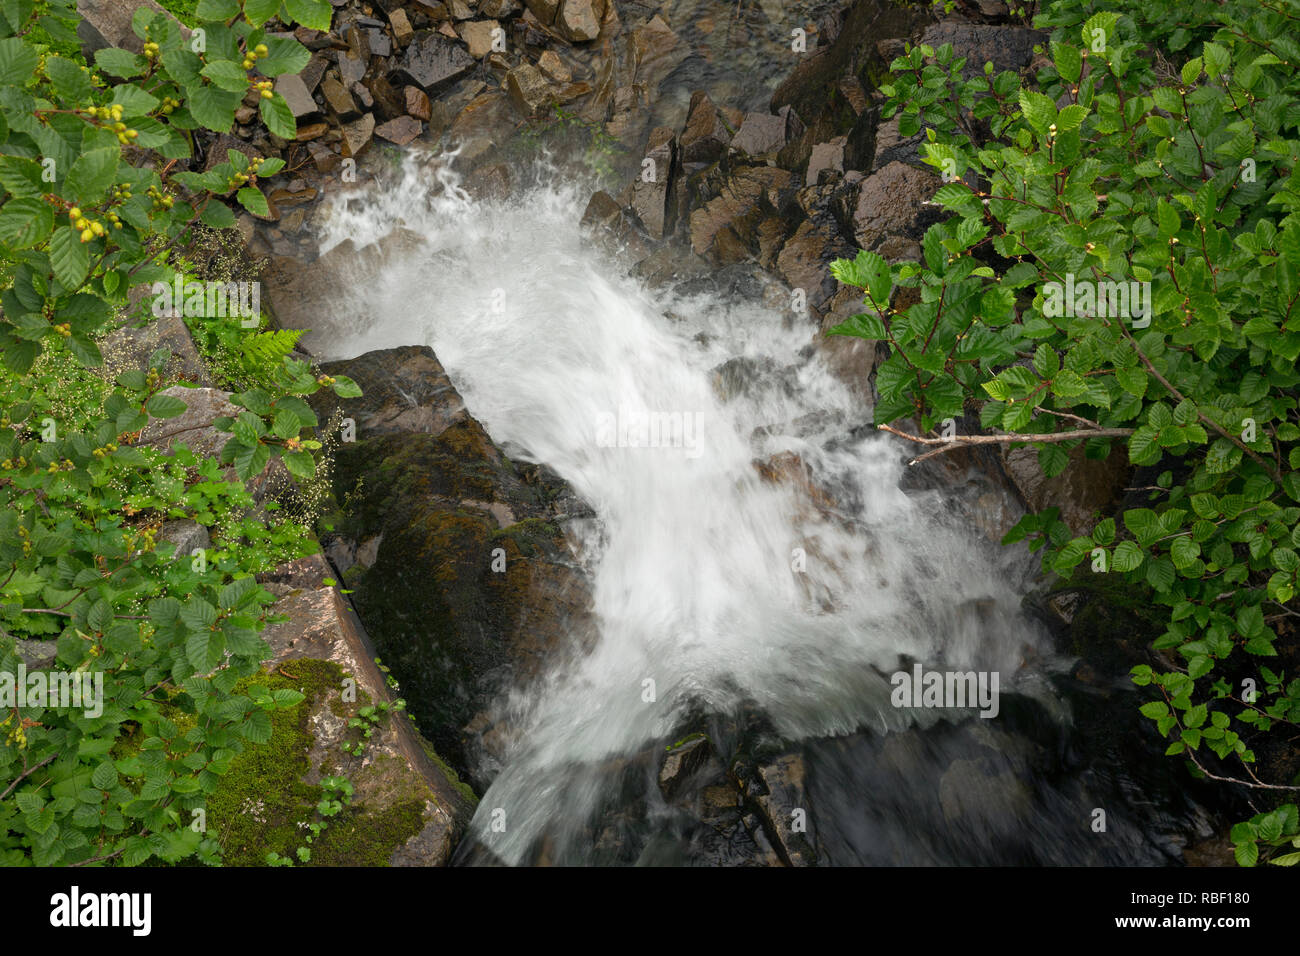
x,y
352,68
760,134
785,811
747,197
193,427
402,31
432,61
889,203
528,89
450,507
106,23
219,150
478,34
656,52
1086,487
356,135
888,146
804,261
602,210
653,199
407,808
579,20
417,103
705,137
389,102
1006,47
485,123
379,43
499,9
128,348
825,156
296,94
37,655
405,390
459,9
543,10
186,535
312,131
551,64
339,99
489,182
681,761
401,131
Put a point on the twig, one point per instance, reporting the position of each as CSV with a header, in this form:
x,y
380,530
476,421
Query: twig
x,y
948,444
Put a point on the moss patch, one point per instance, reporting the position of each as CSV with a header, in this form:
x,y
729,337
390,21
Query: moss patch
x,y
263,804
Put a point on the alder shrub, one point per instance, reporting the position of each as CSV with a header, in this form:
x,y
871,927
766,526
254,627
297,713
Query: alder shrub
x,y
1120,270
97,197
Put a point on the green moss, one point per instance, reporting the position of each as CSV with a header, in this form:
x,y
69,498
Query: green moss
x,y
453,778
264,802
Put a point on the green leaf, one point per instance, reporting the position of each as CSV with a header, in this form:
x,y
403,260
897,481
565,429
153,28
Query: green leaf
x,y
17,62
165,406
70,257
258,12
217,215
863,326
92,174
278,117
227,75
120,63
214,108
1039,110
25,222
311,13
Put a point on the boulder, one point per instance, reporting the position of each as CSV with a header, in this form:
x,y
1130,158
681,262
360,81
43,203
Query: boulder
x,y
578,21
1087,486
528,90
405,390
357,134
760,134
107,23
890,204
407,808
296,95
417,103
478,35
652,198
472,587
432,61
129,348
705,137
656,52
401,131
1006,47
543,10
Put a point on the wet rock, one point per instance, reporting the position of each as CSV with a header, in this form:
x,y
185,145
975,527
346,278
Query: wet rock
x,y
485,123
479,35
1006,47
826,157
352,68
651,194
705,137
417,103
805,261
489,182
528,89
656,52
296,94
405,390
551,64
459,9
431,61
760,134
784,809
890,203
745,199
396,778
402,31
401,131
579,20
357,134
473,586
388,100
1086,487
339,99
681,761
544,10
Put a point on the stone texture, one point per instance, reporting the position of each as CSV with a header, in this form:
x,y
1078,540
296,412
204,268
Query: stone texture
x,y
889,203
478,34
356,135
528,89
705,136
296,94
106,23
402,32
401,131
129,348
432,60
543,10
417,103
760,134
1088,486
578,21
339,99
653,200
